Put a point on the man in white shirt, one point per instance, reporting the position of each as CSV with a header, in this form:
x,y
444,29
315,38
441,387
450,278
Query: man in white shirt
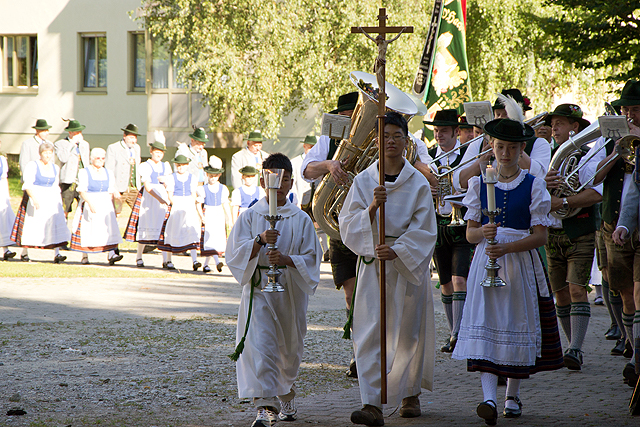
x,y
252,155
453,252
29,148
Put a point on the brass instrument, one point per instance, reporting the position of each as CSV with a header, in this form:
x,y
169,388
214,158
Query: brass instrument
x,y
567,158
359,150
537,121
456,213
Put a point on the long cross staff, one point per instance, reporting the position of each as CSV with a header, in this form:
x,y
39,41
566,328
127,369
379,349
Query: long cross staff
x,y
379,68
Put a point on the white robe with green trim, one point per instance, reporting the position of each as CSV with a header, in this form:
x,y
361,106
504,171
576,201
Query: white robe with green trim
x,y
411,231
273,348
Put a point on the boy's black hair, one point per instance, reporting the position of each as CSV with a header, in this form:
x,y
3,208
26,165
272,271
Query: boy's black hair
x,y
393,118
278,161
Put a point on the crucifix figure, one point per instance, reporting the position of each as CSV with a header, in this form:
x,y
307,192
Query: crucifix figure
x,y
379,68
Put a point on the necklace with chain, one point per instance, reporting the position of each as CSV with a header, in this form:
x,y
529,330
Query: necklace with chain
x,y
511,176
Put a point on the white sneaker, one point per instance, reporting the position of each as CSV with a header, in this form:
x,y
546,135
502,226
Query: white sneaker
x,y
288,410
265,418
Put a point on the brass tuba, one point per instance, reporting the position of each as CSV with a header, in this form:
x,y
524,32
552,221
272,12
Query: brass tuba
x,y
359,150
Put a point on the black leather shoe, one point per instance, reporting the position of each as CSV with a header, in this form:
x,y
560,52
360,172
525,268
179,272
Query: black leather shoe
x,y
168,265
613,333
619,348
206,269
629,374
115,259
628,350
512,413
8,255
59,258
449,346
196,265
352,372
573,359
487,410
24,258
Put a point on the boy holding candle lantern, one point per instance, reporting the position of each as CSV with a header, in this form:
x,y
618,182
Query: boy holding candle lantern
x,y
272,325
510,330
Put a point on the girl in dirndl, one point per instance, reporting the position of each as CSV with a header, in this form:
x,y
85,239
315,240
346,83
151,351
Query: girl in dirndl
x,y
7,217
151,205
95,227
181,229
40,222
215,199
511,330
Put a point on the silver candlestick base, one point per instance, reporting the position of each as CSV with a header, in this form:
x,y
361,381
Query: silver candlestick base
x,y
492,280
273,274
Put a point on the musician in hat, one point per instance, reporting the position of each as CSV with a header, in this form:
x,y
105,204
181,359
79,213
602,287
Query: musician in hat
x,y
196,153
620,228
453,252
511,330
123,160
73,154
571,240
29,149
465,130
252,155
319,162
536,155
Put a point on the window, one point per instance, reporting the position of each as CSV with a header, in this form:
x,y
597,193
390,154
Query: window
x,y
94,61
20,61
165,67
138,66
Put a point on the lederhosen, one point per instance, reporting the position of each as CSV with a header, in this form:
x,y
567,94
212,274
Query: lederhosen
x,y
343,260
453,252
619,258
570,249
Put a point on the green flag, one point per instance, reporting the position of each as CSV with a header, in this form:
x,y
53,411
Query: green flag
x,y
448,82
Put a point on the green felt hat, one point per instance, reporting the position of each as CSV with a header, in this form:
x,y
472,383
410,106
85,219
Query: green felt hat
x,y
249,170
199,135
256,136
131,128
309,139
517,96
74,126
41,124
630,95
209,169
571,111
444,118
181,160
509,130
346,102
157,145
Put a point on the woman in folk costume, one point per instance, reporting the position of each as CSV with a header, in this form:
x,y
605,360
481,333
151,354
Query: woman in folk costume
x,y
274,324
95,227
409,244
151,206
215,205
40,222
512,330
247,194
181,229
7,217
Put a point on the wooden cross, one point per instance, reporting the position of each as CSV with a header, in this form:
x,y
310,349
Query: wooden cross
x,y
379,68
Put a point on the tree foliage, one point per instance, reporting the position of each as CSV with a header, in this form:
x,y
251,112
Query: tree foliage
x,y
599,34
256,60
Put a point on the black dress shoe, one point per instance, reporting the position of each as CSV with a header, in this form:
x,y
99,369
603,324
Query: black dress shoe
x,y
352,372
619,348
24,258
449,346
512,413
628,350
206,269
573,359
168,265
487,410
613,333
196,265
115,259
8,255
629,374
59,258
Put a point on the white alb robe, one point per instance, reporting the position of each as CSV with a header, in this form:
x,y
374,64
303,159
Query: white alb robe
x,y
273,348
411,231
